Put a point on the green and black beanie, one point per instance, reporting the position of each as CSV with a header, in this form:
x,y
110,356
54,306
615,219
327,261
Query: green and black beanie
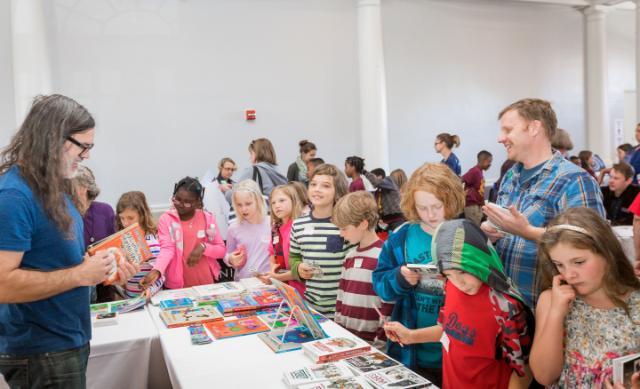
x,y
461,245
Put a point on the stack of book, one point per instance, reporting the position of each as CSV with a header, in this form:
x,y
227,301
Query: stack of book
x,y
334,349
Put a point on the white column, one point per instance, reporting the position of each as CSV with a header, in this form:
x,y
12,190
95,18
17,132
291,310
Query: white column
x,y
599,134
31,65
373,94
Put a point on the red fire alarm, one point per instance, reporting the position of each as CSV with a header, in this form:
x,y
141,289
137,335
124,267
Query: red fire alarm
x,y
250,114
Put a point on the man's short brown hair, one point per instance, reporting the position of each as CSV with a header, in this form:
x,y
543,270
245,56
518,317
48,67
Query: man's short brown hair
x,y
535,109
355,207
625,169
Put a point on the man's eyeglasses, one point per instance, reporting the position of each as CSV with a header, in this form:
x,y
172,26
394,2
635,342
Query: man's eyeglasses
x,y
182,203
84,146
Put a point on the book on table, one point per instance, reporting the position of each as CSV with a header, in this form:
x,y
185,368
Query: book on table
x,y
625,367
129,244
171,294
397,377
236,327
266,298
334,349
183,302
254,283
369,362
316,373
339,383
187,316
221,289
289,332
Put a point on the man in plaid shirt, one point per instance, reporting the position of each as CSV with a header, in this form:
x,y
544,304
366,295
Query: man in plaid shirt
x,y
541,185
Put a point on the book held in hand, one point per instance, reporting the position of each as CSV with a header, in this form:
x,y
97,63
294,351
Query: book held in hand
x,y
129,244
334,349
624,368
316,373
187,316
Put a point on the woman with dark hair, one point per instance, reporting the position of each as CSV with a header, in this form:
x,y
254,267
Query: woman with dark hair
x,y
98,218
298,170
444,144
586,158
44,271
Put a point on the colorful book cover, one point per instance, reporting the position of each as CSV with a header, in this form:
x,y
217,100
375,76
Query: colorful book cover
x,y
332,349
183,302
300,309
277,320
267,298
129,244
371,362
397,377
316,373
229,305
186,316
236,327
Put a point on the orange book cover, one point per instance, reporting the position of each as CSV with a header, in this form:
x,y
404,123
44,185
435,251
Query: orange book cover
x,y
129,244
238,327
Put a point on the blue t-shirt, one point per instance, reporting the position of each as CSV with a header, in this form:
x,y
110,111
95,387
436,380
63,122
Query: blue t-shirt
x,y
59,322
429,295
454,164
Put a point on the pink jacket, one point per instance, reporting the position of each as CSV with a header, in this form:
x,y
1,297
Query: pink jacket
x,y
169,262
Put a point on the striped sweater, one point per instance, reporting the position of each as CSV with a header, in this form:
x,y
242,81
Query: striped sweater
x,y
318,242
356,299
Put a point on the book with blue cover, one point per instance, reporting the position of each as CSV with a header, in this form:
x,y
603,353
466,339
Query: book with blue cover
x,y
184,302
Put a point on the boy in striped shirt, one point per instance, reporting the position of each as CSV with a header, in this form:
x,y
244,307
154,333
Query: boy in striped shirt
x,y
317,250
356,215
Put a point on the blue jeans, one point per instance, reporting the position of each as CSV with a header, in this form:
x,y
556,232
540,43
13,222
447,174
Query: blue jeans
x,y
61,369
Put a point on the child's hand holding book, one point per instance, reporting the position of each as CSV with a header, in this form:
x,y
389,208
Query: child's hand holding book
x,y
149,279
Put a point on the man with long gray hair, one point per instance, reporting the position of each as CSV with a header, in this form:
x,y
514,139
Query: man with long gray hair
x,y
45,274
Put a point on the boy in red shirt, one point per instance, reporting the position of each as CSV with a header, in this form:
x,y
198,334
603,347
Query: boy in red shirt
x,y
484,326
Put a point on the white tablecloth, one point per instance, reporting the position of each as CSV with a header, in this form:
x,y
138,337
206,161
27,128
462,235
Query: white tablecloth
x,y
625,236
127,355
240,362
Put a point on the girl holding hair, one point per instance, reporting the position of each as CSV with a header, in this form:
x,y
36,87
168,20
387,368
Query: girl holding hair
x,y
298,170
286,206
190,242
317,250
589,313
432,195
132,208
444,145
249,234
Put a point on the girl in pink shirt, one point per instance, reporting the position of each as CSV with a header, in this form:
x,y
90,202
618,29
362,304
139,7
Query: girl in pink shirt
x,y
286,205
249,234
190,242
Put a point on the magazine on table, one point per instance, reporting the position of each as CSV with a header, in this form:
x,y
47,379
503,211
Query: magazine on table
x,y
333,349
316,373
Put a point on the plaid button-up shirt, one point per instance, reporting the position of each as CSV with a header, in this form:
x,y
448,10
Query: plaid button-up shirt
x,y
557,186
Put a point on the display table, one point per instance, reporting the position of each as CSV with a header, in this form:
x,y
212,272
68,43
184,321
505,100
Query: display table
x,y
127,355
240,362
625,236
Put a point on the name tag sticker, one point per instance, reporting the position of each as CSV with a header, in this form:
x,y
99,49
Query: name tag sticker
x,y
200,234
445,341
357,263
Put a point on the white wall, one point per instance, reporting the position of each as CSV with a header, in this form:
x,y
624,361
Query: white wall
x,y
7,110
168,83
622,70
452,66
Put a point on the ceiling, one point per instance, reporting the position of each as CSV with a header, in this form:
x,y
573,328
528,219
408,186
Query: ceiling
x,y
620,4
